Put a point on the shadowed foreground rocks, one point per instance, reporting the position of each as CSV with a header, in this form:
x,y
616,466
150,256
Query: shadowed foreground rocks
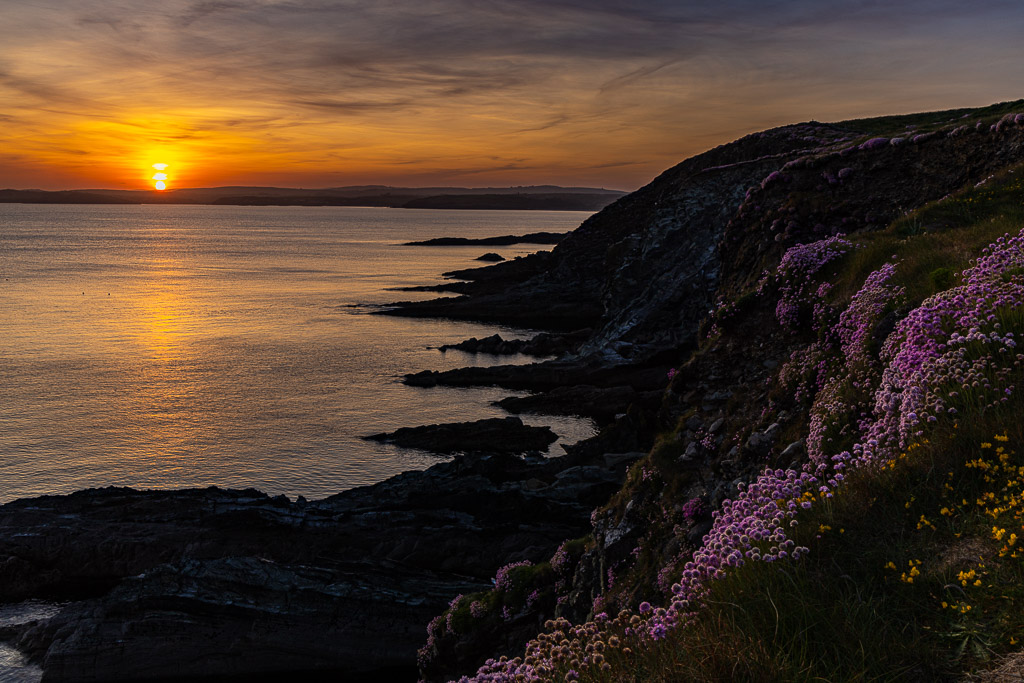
x,y
212,582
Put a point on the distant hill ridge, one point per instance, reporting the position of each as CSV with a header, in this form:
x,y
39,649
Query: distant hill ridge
x,y
549,197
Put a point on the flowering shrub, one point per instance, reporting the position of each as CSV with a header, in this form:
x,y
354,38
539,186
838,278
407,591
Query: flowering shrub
x,y
793,277
954,348
693,508
503,579
875,143
773,177
560,561
1008,120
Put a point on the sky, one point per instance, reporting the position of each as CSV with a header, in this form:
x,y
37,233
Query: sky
x,y
598,93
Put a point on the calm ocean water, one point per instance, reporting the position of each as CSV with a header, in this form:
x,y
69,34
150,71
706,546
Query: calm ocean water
x,y
179,346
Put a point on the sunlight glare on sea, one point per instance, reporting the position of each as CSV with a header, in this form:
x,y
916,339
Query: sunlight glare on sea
x,y
180,346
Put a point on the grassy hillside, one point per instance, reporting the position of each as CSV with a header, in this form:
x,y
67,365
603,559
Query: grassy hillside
x,y
886,542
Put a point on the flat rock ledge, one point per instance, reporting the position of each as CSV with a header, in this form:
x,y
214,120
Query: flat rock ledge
x,y
494,435
213,583
503,240
543,344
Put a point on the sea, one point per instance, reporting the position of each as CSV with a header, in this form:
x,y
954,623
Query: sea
x,y
165,347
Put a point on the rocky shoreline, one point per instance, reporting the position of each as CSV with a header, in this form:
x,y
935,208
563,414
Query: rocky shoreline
x,y
222,584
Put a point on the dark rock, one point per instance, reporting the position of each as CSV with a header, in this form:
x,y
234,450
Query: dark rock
x,y
530,238
494,435
602,404
699,531
219,617
546,376
613,460
491,256
543,344
794,450
219,582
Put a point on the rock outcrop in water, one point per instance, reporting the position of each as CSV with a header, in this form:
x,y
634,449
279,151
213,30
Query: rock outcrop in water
x,y
495,435
543,344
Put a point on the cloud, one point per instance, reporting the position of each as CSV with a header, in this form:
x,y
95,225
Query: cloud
x,y
560,84
353,106
201,10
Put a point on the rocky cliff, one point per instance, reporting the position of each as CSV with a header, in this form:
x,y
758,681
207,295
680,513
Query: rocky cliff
x,y
702,271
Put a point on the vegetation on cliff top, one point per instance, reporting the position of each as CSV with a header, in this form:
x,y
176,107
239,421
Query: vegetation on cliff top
x,y
890,546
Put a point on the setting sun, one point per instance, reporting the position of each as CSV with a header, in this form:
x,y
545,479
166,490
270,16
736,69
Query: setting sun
x,y
160,177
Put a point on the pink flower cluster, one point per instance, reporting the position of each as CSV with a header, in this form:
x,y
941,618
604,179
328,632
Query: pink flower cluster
x,y
503,580
693,508
875,143
794,275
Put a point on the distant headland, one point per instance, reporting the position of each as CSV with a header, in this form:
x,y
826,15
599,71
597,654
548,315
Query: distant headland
x,y
535,197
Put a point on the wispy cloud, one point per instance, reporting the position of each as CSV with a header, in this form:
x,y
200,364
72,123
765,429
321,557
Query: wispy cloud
x,y
573,88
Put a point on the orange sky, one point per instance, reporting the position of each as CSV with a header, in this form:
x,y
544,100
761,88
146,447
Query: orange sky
x,y
311,93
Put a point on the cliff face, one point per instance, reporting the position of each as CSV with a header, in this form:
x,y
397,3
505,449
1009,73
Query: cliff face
x,y
647,269
643,268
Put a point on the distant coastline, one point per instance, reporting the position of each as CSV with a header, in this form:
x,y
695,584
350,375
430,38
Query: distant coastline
x,y
542,197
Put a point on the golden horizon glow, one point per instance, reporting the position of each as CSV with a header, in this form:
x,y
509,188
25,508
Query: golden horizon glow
x,y
460,93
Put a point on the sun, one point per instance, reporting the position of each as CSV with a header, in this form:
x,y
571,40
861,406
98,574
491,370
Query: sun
x,y
160,177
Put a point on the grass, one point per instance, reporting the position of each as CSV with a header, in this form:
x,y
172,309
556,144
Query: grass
x,y
897,125
894,590
937,240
